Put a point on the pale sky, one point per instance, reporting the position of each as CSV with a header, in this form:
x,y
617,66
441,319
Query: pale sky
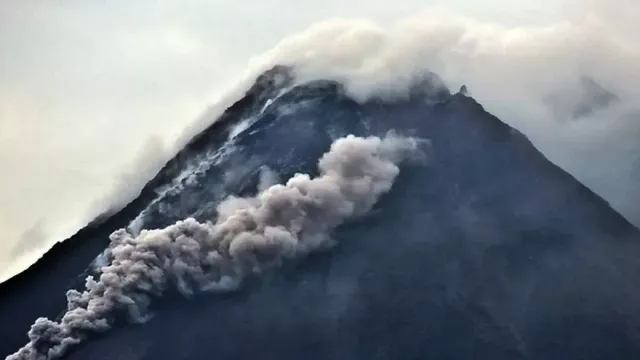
x,y
91,90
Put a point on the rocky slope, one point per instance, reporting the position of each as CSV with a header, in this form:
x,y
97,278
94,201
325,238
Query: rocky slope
x,y
486,251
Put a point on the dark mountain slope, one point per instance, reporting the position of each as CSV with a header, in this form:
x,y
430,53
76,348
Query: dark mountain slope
x,y
488,251
21,297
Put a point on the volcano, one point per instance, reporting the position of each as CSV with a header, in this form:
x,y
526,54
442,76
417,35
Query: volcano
x,y
482,249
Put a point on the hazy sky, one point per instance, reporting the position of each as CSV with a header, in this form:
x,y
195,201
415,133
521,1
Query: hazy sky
x,y
90,91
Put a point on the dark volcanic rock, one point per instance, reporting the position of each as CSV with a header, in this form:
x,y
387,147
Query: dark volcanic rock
x,y
488,252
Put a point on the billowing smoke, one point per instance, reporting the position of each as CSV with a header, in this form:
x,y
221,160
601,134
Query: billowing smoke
x,y
249,236
532,77
570,86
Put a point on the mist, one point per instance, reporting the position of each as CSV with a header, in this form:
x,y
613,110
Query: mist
x,y
94,98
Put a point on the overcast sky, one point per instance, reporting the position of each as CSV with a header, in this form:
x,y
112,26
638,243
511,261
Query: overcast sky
x,y
92,90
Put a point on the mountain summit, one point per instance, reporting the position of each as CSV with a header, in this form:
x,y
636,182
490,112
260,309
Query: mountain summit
x,y
427,229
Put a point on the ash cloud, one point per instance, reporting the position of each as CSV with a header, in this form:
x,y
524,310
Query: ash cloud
x,y
249,236
512,71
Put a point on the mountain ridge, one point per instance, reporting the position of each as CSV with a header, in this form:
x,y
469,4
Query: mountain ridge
x,y
67,259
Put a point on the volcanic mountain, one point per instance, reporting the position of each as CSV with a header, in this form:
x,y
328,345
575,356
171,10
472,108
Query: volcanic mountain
x,y
478,248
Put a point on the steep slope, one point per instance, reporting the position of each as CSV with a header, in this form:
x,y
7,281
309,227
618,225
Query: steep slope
x,y
486,251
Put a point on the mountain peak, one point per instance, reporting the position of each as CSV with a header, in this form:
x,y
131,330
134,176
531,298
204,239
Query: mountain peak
x,y
483,249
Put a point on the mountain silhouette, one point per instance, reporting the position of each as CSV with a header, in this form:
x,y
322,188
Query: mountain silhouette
x,y
482,250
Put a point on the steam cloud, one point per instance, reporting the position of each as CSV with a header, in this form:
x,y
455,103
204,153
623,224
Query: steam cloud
x,y
249,236
529,76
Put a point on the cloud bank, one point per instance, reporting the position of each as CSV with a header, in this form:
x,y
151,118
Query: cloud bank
x,y
535,78
532,77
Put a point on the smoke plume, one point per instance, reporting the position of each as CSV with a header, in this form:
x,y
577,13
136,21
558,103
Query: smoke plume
x,y
532,77
249,236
